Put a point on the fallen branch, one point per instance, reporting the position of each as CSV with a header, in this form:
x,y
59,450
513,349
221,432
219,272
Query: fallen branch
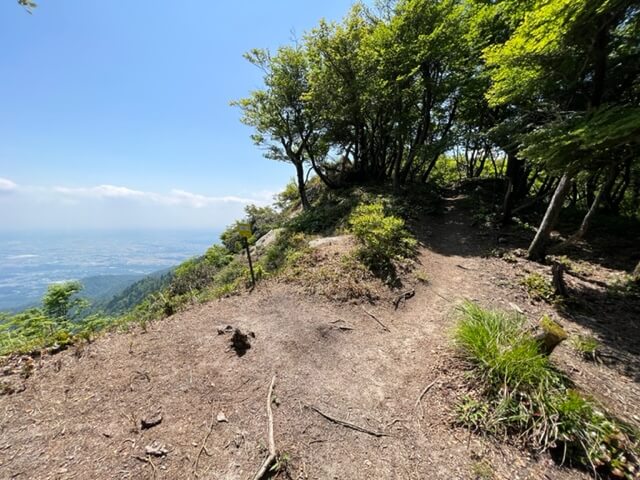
x,y
203,447
272,444
386,329
348,424
441,296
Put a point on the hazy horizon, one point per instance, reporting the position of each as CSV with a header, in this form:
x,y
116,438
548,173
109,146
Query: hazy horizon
x,y
29,263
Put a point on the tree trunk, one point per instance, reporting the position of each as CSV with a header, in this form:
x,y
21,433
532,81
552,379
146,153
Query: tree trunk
x,y
301,190
515,172
537,249
585,221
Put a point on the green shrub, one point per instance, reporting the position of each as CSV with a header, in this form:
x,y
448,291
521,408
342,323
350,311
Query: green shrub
x,y
382,237
217,256
61,301
523,394
289,198
33,330
446,172
191,276
278,254
326,215
626,285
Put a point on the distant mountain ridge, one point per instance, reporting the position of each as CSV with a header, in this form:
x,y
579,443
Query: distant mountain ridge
x,y
135,292
102,287
115,294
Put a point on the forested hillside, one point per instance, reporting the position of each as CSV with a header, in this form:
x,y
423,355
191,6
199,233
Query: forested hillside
x,y
544,94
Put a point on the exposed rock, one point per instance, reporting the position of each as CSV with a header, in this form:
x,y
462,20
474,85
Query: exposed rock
x,y
319,242
150,422
156,450
265,241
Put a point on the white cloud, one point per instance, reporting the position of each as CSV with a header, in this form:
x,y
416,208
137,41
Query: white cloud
x,y
175,197
7,185
114,206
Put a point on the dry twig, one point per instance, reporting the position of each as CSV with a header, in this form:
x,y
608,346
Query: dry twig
x,y
424,392
203,447
348,424
272,444
386,329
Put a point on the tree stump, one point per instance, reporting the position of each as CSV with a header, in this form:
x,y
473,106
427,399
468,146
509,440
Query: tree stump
x,y
557,270
551,336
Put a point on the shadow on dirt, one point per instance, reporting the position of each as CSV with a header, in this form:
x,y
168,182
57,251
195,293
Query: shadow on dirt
x,y
613,315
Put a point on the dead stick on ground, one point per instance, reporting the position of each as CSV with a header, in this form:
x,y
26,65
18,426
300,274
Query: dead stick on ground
x,y
348,424
203,447
421,396
386,329
424,392
272,444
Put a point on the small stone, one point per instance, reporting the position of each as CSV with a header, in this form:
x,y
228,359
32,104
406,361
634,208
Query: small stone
x,y
221,417
149,422
156,450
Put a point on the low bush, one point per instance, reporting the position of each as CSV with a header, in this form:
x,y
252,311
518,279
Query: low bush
x,y
279,253
383,238
326,216
60,322
197,273
521,393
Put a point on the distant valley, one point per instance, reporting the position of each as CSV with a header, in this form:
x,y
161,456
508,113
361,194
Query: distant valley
x,y
106,263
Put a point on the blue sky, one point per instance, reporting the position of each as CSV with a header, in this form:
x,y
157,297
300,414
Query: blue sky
x,y
115,114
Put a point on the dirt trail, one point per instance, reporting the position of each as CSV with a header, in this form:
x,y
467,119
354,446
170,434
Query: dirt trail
x,y
79,415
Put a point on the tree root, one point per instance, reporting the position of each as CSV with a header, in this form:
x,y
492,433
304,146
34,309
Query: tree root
x,y
272,444
403,297
348,424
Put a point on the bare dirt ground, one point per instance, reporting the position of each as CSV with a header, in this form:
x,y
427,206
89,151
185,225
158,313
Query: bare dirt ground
x,y
80,412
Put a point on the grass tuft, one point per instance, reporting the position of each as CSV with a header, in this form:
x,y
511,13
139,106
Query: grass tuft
x,y
586,345
522,394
